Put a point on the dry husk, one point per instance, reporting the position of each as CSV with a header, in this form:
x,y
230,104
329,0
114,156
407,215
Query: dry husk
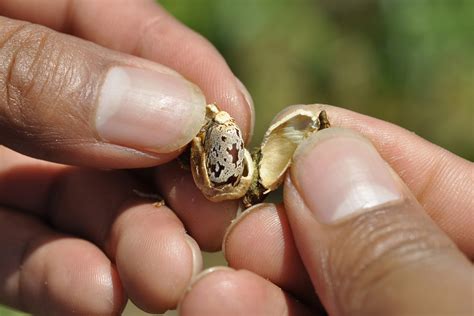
x,y
279,144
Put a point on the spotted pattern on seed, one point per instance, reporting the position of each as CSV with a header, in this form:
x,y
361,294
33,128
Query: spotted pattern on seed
x,y
225,153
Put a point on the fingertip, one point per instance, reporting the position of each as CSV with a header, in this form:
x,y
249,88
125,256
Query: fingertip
x,y
360,231
181,308
111,110
235,223
154,257
154,109
340,174
89,286
260,240
224,291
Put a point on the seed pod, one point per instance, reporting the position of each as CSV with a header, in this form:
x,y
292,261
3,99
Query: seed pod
x,y
222,168
275,154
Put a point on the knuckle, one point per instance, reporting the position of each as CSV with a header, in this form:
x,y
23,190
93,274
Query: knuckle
x,y
21,53
149,28
376,246
36,72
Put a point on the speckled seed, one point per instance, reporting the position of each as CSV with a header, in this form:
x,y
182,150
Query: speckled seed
x,y
224,148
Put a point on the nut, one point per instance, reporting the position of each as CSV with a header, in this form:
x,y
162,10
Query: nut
x,y
223,169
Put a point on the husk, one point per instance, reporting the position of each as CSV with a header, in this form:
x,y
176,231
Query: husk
x,y
223,192
279,144
264,171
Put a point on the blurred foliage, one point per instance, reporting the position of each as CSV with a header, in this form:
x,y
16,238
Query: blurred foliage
x,y
4,311
409,62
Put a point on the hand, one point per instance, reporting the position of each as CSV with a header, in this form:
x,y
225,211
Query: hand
x,y
77,240
351,233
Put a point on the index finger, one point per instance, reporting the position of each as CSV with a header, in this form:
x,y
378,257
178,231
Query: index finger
x,y
144,29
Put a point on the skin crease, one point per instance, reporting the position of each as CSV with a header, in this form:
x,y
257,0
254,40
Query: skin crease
x,y
46,207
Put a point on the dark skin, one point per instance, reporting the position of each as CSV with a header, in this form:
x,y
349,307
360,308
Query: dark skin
x,y
67,233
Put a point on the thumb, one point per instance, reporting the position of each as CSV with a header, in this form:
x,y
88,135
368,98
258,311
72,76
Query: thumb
x,y
68,100
369,247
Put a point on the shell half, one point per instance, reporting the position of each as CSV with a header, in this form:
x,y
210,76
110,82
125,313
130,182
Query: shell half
x,y
279,144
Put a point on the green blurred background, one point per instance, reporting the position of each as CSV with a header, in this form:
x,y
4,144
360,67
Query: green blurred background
x,y
410,62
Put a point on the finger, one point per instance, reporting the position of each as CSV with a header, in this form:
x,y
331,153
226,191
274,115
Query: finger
x,y
228,292
68,100
260,240
103,207
25,182
126,227
46,273
440,180
369,247
168,258
144,29
206,221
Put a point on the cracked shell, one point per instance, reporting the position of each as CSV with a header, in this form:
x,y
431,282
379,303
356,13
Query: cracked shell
x,y
222,168
279,144
275,154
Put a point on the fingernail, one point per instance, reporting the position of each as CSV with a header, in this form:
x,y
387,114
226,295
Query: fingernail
x,y
248,99
197,258
339,174
199,277
148,110
206,272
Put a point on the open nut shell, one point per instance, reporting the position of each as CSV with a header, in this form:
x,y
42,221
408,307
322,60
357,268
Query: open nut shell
x,y
224,170
279,144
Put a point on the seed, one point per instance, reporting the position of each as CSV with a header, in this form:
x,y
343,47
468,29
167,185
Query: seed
x,y
223,147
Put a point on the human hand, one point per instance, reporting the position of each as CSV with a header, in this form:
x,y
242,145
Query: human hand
x,y
78,240
352,234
